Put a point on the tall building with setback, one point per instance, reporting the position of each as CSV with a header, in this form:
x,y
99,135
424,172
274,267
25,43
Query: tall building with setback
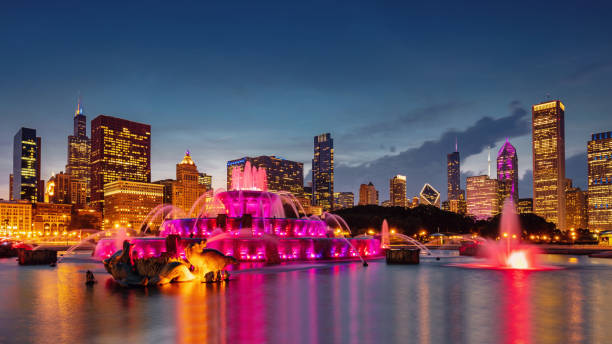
x,y
397,191
482,197
507,173
368,194
429,196
120,150
575,207
281,174
453,175
78,165
186,190
599,157
126,203
323,172
548,146
26,165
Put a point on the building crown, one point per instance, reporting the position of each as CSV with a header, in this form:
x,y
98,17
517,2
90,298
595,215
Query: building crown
x,y
187,159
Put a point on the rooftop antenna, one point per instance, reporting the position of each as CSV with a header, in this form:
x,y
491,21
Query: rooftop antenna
x,y
456,149
489,161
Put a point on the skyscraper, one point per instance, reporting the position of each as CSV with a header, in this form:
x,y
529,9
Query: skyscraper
x,y
453,175
26,165
397,191
507,172
120,150
482,197
344,200
323,172
548,141
576,207
187,189
429,196
126,204
78,165
281,174
599,157
368,194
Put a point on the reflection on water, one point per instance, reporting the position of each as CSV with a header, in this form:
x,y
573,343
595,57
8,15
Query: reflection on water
x,y
428,303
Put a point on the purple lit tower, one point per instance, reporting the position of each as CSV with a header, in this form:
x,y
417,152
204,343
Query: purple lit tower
x,y
507,172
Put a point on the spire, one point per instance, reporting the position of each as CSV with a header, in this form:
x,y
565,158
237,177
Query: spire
x,y
456,149
79,109
489,161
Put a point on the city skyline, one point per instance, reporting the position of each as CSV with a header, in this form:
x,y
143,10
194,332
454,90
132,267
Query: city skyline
x,y
388,101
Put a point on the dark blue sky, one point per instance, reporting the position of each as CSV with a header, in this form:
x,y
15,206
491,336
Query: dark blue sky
x,y
393,82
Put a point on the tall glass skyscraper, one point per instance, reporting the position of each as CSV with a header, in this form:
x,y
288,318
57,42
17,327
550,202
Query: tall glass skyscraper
x,y
78,166
397,191
26,165
548,143
120,150
507,173
599,157
453,175
323,172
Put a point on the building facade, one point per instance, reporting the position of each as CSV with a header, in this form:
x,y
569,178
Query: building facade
x,y
599,160
51,219
507,173
15,218
186,190
127,203
206,180
458,206
78,165
482,197
58,189
343,200
120,150
576,208
429,196
323,172
368,195
281,174
397,191
453,175
548,146
525,206
26,165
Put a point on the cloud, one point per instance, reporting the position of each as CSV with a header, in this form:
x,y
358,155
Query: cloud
x,y
427,162
587,71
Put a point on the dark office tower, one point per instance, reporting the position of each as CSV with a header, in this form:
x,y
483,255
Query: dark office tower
x,y
453,174
120,150
78,167
548,141
599,159
26,165
507,172
323,172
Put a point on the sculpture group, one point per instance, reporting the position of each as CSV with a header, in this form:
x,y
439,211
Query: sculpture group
x,y
199,264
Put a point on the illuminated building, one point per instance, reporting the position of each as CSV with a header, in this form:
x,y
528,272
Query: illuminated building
x,y
167,189
548,141
26,165
127,203
78,166
40,189
576,207
385,203
445,206
507,173
415,202
368,194
205,180
458,206
120,149
482,197
429,196
281,174
305,199
15,218
58,189
87,218
344,200
323,172
51,219
397,191
187,188
525,206
599,157
453,175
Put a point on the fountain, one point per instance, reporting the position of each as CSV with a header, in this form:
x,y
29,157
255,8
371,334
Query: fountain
x,y
508,252
249,223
